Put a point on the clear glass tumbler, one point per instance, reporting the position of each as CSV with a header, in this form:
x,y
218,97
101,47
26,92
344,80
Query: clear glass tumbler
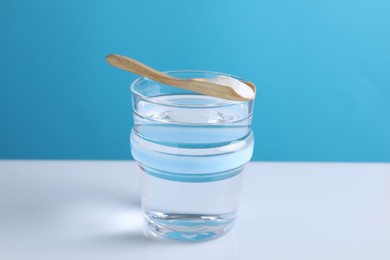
x,y
191,150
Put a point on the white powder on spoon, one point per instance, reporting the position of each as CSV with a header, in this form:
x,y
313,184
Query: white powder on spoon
x,y
240,87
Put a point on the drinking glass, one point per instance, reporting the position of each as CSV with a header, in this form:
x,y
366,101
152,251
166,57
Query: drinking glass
x,y
191,150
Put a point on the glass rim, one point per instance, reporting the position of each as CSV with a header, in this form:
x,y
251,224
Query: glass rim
x,y
221,102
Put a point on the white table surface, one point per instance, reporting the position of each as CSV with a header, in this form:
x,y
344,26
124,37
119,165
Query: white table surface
x,y
90,210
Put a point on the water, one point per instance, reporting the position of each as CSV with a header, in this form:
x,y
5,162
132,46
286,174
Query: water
x,y
190,161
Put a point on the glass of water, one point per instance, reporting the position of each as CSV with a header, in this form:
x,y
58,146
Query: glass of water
x,y
191,150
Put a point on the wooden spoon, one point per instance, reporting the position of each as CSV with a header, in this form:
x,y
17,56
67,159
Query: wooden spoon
x,y
197,85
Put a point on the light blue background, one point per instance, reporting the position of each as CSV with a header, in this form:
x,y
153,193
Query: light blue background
x,y
322,69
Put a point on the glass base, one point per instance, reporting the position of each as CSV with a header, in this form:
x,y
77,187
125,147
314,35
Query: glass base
x,y
188,227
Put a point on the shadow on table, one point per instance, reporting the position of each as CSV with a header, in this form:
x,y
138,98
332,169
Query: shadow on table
x,y
128,239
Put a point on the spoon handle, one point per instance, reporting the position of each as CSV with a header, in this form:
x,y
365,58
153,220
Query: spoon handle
x,y
136,67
